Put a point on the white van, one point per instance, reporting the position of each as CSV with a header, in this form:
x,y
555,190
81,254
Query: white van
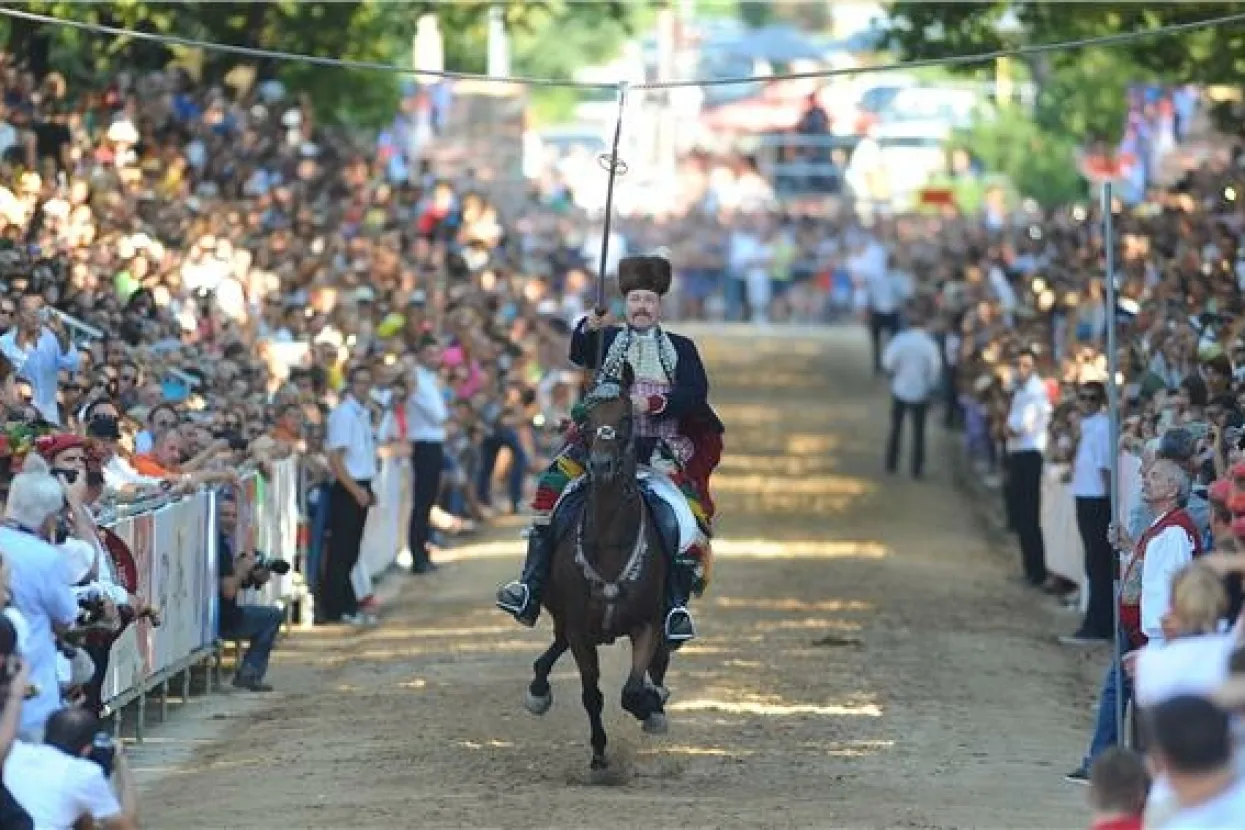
x,y
892,164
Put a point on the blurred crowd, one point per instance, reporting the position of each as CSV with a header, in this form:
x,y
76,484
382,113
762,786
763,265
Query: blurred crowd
x,y
1020,312
190,277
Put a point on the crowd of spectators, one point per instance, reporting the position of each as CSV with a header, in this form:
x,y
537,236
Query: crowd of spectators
x,y
1020,310
188,277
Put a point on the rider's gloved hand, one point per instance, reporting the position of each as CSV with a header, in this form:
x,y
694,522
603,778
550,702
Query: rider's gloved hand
x,y
596,320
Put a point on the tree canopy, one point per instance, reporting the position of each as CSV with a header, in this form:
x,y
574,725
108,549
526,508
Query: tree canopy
x,y
1082,93
550,37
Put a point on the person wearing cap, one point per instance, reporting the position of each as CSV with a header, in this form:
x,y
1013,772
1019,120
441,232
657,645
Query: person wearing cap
x,y
40,348
675,430
1028,420
92,572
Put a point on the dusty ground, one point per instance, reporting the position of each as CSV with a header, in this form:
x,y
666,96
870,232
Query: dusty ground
x,y
865,661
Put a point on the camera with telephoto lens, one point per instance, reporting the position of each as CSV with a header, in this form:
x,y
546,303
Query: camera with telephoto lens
x,y
269,563
103,752
92,610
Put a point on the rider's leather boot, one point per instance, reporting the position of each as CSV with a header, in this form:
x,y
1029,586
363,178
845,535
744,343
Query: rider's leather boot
x,y
679,625
522,598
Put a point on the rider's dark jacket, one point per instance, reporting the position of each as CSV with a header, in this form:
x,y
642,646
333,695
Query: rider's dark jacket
x,y
687,400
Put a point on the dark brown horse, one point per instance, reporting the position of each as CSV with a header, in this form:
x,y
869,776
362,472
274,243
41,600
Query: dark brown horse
x,y
608,576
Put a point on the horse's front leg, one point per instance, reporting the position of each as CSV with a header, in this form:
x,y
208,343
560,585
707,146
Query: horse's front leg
x,y
639,697
539,695
657,670
585,654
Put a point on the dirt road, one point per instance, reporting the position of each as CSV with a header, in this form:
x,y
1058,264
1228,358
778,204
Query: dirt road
x,y
864,661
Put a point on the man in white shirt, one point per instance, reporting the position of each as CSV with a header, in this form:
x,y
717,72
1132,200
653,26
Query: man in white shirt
x,y
38,583
880,295
39,349
914,365
59,787
426,414
1027,422
1193,751
1168,544
1091,487
748,253
351,445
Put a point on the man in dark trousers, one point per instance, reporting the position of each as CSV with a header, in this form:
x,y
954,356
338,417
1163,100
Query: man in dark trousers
x,y
351,446
426,413
914,365
1027,422
1091,487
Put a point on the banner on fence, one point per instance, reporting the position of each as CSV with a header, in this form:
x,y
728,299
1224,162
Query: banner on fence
x,y
175,551
130,661
1065,554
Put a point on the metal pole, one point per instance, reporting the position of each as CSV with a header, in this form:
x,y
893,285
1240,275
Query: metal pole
x,y
615,166
1113,416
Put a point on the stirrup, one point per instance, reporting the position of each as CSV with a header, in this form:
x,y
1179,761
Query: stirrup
x,y
510,606
679,613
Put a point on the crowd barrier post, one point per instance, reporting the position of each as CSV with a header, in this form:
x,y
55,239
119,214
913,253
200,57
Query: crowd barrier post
x,y
1113,417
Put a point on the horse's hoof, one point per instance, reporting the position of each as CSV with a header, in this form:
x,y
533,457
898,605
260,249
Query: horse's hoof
x,y
656,724
599,764
537,704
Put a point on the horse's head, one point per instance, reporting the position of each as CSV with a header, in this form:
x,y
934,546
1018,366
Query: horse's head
x,y
608,428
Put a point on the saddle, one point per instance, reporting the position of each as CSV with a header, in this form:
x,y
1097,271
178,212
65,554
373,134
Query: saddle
x,y
570,507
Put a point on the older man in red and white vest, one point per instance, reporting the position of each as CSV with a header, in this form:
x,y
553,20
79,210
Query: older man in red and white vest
x,y
1167,545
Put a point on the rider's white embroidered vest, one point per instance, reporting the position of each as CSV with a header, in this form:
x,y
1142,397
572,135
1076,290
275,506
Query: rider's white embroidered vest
x,y
652,356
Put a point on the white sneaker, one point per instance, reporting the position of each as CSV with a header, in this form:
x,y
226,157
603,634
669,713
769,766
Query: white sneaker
x,y
354,619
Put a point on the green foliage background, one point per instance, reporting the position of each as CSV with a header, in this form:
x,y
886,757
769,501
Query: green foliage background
x,y
1081,93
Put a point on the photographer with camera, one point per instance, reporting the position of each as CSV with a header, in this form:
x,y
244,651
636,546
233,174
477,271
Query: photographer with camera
x,y
64,782
106,606
39,588
258,624
40,348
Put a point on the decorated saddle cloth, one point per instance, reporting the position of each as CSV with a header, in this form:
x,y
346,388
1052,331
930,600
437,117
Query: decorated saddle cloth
x,y
655,485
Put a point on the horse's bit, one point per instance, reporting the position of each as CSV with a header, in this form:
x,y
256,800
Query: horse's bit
x,y
612,591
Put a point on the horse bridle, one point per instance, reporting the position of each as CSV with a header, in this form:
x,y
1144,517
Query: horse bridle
x,y
612,591
607,432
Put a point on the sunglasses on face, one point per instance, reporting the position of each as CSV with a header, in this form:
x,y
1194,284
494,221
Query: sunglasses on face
x,y
69,474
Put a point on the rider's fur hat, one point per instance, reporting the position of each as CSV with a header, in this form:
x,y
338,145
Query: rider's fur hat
x,y
644,273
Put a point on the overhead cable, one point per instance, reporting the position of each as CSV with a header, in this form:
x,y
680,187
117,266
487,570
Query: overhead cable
x,y
1115,39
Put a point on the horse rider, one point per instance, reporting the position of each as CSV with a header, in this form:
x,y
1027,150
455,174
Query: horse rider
x,y
676,433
